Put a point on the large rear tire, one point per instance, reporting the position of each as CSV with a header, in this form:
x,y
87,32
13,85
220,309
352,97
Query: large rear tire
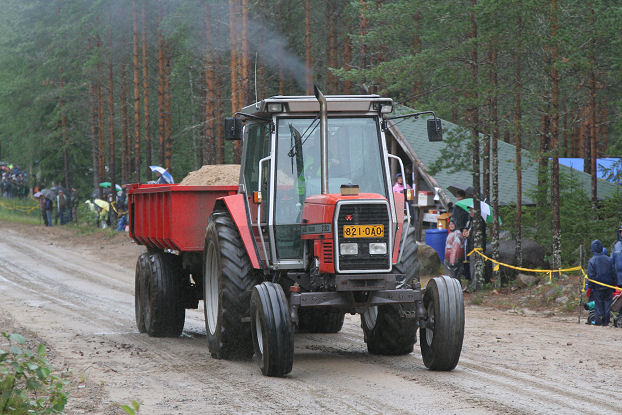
x,y
441,344
387,331
160,295
273,338
140,288
229,280
320,320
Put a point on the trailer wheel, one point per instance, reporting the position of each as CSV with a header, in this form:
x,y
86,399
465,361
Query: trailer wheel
x,y
140,288
161,298
229,280
272,330
441,344
320,320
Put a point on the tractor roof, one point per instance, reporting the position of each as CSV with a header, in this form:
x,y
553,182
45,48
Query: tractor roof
x,y
308,104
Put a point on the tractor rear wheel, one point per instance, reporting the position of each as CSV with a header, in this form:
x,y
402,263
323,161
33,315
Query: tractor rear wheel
x,y
387,332
273,337
320,320
441,344
140,288
229,280
159,295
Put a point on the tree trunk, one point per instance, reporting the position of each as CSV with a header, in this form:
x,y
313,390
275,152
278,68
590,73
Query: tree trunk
x,y
101,132
146,109
167,110
111,143
220,127
554,142
593,136
245,90
308,72
517,139
474,121
234,63
94,135
209,147
494,118
161,111
363,32
137,162
124,129
63,128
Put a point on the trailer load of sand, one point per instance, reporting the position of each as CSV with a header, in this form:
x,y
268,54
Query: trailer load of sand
x,y
213,175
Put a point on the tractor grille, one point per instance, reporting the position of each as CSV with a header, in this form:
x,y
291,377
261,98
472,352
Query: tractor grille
x,y
364,214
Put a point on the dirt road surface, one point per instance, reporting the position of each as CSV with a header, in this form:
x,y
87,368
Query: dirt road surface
x,y
75,294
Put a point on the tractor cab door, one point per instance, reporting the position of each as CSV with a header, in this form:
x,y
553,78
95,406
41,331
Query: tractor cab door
x,y
257,148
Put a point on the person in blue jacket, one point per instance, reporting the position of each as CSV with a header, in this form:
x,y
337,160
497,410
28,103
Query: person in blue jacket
x,y
616,257
600,269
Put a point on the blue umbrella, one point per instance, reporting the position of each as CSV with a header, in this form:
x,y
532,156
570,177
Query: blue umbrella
x,y
165,174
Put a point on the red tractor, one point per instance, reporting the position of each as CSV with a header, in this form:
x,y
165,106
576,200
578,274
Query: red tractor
x,y
313,231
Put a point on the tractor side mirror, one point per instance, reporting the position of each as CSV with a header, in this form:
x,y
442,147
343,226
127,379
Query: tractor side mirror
x,y
435,130
233,128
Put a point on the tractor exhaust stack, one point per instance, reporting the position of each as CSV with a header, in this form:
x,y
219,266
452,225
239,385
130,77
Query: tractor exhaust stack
x,y
323,139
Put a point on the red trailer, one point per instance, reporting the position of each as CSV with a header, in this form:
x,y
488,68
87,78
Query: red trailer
x,y
170,220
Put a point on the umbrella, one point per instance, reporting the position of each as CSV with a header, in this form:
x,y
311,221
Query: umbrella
x,y
485,208
454,188
167,176
108,184
48,193
102,204
38,194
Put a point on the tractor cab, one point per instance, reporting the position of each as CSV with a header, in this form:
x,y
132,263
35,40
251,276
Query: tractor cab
x,y
307,158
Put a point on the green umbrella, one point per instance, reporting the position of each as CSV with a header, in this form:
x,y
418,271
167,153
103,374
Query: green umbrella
x,y
485,208
108,184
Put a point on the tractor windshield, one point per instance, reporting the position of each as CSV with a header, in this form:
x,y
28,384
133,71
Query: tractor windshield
x,y
354,156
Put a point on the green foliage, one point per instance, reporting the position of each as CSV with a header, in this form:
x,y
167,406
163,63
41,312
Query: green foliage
x,y
28,384
131,410
580,223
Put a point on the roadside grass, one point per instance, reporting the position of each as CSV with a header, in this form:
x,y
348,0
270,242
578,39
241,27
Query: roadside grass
x,y
20,211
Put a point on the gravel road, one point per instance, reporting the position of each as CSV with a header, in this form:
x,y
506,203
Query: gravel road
x,y
75,294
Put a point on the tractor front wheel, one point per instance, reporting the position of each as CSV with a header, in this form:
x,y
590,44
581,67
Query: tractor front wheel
x,y
229,280
273,337
441,340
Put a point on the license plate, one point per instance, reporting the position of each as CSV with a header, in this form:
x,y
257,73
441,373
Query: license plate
x,y
363,231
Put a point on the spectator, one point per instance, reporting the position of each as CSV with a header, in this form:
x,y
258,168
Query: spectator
x,y
61,206
42,203
454,251
600,269
616,257
48,211
460,216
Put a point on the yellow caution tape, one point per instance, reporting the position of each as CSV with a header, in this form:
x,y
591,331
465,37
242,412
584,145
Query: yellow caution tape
x,y
544,271
22,209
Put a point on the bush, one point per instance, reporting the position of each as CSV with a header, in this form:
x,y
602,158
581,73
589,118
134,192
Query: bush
x,y
27,384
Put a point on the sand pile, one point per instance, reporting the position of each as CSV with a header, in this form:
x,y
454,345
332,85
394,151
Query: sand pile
x,y
213,175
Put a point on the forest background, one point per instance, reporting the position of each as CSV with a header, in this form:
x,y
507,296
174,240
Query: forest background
x,y
95,91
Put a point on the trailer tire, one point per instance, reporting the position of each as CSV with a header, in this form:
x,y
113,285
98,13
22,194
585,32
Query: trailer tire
x,y
161,296
271,326
441,345
229,279
140,294
320,320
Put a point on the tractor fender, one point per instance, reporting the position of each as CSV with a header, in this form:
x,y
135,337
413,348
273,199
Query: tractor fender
x,y
237,207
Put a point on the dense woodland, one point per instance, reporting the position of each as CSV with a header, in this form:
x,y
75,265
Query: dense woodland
x,y
98,90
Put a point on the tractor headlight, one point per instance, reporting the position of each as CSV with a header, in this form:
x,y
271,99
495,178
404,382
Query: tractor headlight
x,y
378,248
349,249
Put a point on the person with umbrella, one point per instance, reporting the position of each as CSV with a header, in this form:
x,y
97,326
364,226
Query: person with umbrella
x,y
162,174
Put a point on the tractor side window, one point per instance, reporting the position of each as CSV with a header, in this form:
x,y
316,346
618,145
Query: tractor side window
x,y
258,147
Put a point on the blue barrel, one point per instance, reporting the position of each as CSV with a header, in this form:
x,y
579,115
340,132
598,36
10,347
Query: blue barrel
x,y
436,239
